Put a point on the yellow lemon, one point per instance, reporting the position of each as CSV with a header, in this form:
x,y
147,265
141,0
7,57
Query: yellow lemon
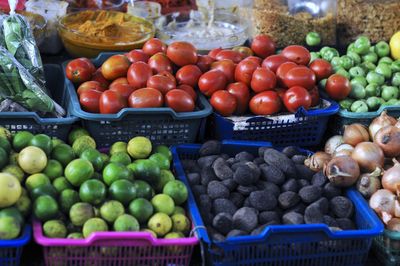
x,y
395,45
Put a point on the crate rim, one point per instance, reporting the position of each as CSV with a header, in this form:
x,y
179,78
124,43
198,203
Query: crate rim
x,y
18,242
368,115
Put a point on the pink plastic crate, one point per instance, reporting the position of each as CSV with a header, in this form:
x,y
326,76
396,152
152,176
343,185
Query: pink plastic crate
x,y
114,248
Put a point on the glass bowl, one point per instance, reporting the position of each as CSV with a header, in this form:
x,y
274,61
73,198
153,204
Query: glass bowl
x,y
79,5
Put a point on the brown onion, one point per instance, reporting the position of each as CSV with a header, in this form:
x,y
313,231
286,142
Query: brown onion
x,y
391,178
368,184
383,203
332,143
317,161
388,138
342,171
343,149
379,122
394,224
343,153
369,156
354,134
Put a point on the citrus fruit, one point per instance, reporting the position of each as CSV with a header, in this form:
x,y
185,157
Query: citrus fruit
x,y
5,144
15,170
163,203
80,212
83,143
143,189
4,132
36,180
45,208
61,183
32,160
68,197
46,189
21,140
12,212
54,229
126,223
53,169
160,223
151,232
177,191
139,147
75,236
105,158
395,45
3,158
164,150
78,171
43,142
94,225
146,170
13,158
76,133
179,210
141,209
165,177
92,191
63,153
116,171
10,228
93,156
123,191
120,157
180,223
118,146
174,235
161,160
56,142
24,205
10,190
111,210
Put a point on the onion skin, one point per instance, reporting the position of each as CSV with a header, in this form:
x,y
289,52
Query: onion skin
x,y
391,178
342,153
354,134
332,143
388,138
317,161
394,225
381,121
383,202
342,171
368,184
369,156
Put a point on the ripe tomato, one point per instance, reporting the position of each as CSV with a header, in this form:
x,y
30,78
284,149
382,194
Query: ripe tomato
x,y
204,62
138,74
137,55
123,89
179,101
263,79
338,87
115,66
213,53
223,102
89,100
314,93
235,56
244,50
111,102
265,103
296,97
90,85
159,63
169,75
322,68
145,98
98,76
188,75
255,59
212,81
189,90
263,46
182,53
121,80
227,66
161,83
298,54
242,95
283,70
272,62
153,46
300,76
281,92
244,71
79,70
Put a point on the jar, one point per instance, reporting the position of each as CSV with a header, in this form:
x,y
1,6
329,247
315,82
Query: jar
x,y
145,9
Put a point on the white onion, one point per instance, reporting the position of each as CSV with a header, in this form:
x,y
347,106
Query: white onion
x,y
332,143
383,203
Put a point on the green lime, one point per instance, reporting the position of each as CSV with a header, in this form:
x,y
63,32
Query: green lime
x,y
36,180
9,228
93,156
94,225
177,191
78,171
126,223
165,177
12,212
24,205
118,146
43,142
53,169
115,171
83,143
56,142
151,232
75,236
141,209
15,170
4,132
123,191
160,223
21,140
55,229
105,158
143,189
76,133
3,158
161,160
120,157
46,189
146,170
164,150
163,203
5,144
93,191
179,210
13,158
180,223
80,212
111,210
45,208
139,147
63,153
67,199
61,183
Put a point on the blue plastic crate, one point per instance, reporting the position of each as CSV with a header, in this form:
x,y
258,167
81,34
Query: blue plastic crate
x,y
11,250
284,244
161,125
304,128
31,121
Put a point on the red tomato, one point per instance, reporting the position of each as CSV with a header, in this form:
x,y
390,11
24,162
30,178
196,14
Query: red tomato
x,y
272,62
314,93
296,97
90,64
162,83
137,55
169,75
159,63
121,80
204,62
338,87
79,70
98,76
255,59
281,92
213,53
89,100
90,85
300,76
265,103
182,53
223,102
235,56
227,66
115,66
138,74
263,46
189,90
322,68
212,81
242,95
297,53
111,102
153,46
145,98
244,71
179,101
188,75
244,50
283,70
123,89
263,79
